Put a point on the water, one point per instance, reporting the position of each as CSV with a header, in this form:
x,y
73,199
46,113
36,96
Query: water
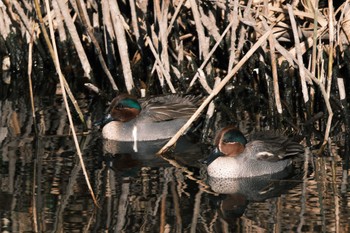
x,y
43,189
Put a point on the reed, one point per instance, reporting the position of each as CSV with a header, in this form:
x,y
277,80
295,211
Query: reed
x,y
182,46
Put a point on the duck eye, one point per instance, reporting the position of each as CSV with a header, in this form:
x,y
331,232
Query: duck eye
x,y
225,141
120,105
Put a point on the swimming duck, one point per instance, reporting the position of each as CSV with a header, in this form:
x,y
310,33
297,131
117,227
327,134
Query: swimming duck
x,y
235,157
151,119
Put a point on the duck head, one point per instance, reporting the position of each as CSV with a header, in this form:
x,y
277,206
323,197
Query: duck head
x,y
123,108
229,141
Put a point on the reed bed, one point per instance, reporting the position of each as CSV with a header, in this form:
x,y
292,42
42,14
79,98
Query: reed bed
x,y
285,62
184,46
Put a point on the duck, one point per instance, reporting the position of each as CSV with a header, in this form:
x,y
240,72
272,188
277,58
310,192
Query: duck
x,y
130,119
265,153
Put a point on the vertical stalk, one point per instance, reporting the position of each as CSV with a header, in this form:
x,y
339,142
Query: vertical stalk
x,y
298,53
60,75
30,63
331,46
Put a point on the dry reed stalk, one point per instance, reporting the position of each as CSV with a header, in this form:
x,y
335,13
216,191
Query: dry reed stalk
x,y
343,26
320,59
59,22
215,92
176,71
134,23
205,62
315,10
209,23
27,25
163,35
202,39
96,20
81,8
331,46
75,38
274,72
210,113
290,57
298,53
328,105
107,22
161,41
304,45
199,75
314,38
179,59
157,10
321,20
157,65
30,66
118,24
71,123
233,16
272,52
160,65
23,16
311,90
90,32
42,20
313,14
5,23
52,54
243,31
93,88
173,18
13,16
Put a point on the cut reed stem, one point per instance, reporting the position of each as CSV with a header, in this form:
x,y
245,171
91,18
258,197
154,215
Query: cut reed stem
x,y
30,66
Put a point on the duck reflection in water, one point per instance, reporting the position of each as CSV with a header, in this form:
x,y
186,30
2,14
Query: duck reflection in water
x,y
237,193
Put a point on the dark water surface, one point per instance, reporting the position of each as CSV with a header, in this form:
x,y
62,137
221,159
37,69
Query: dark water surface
x,y
42,187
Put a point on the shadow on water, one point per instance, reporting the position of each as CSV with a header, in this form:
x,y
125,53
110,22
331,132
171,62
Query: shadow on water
x,y
43,189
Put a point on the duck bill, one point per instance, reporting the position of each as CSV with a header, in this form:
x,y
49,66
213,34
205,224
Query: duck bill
x,y
105,120
213,155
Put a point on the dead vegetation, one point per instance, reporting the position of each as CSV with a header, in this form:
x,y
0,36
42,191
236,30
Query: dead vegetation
x,y
300,47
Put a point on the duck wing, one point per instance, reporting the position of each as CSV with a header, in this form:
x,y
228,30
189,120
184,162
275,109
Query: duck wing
x,y
272,147
170,107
